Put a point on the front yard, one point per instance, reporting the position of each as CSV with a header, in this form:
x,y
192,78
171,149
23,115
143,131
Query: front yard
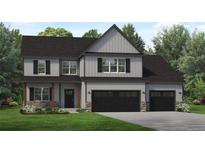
x,y
197,108
12,119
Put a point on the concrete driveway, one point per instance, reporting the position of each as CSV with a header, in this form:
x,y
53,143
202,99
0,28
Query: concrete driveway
x,y
173,121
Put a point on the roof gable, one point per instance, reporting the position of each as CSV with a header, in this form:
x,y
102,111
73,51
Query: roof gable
x,y
114,41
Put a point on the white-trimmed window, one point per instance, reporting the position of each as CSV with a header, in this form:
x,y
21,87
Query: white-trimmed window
x,y
69,67
121,65
42,94
41,67
105,65
113,65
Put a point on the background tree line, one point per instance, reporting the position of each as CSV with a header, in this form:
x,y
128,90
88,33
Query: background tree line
x,y
184,51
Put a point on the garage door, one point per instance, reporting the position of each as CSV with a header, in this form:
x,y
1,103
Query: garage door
x,y
162,100
115,101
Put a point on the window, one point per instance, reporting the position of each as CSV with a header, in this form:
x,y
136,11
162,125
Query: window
x,y
65,67
41,94
73,67
69,67
113,65
105,65
41,67
121,65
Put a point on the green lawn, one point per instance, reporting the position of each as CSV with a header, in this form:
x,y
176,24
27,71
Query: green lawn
x,y
198,109
12,119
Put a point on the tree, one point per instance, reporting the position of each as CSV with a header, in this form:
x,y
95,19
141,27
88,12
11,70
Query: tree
x,y
133,36
171,43
93,33
10,62
57,32
192,64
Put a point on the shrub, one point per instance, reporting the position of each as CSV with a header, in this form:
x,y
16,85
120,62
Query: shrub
x,y
13,103
62,111
82,110
30,109
183,107
197,102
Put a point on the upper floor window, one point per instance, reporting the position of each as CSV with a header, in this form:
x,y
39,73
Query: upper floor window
x,y
69,67
41,67
113,65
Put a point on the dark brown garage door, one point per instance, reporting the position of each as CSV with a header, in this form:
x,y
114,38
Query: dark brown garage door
x,y
162,100
115,101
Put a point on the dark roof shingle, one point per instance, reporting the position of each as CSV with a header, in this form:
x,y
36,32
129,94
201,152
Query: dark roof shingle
x,y
54,46
156,69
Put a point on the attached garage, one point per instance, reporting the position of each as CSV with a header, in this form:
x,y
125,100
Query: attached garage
x,y
115,101
162,100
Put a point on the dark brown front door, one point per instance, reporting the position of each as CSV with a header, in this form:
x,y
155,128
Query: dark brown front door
x,y
69,98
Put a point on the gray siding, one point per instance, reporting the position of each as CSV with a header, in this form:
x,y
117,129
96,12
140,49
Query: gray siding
x,y
114,42
81,66
91,67
28,67
176,87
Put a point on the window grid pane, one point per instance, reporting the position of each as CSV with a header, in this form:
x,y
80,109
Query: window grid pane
x,y
41,66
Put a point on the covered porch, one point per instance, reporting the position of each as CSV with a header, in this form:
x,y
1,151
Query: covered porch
x,y
47,93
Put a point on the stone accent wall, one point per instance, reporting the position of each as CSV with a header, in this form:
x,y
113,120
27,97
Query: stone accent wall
x,y
143,107
88,106
42,104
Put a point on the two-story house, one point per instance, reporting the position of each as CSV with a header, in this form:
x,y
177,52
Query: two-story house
x,y
104,74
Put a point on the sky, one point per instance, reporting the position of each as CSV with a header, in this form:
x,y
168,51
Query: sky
x,y
147,30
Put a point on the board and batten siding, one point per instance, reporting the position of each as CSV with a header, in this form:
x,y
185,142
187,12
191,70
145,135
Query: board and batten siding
x,y
113,42
178,88
81,66
28,67
91,67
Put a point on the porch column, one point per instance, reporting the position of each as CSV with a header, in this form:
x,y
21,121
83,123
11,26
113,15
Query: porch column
x,y
83,93
52,95
78,95
24,94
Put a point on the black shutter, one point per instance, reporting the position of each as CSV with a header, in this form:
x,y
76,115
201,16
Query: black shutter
x,y
48,71
99,64
31,94
35,66
50,94
127,65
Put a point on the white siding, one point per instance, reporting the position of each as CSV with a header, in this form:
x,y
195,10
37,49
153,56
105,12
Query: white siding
x,y
175,87
81,67
115,86
114,42
28,67
83,91
91,67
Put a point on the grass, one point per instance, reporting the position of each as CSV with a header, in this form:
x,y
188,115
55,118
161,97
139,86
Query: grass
x,y
197,108
12,119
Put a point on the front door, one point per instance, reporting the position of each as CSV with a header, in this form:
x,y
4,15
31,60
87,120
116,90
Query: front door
x,y
69,98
